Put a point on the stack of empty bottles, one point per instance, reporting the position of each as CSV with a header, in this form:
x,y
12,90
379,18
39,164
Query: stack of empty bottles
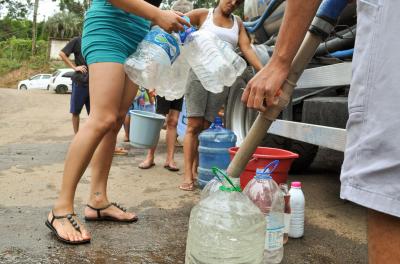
x,y
162,62
225,227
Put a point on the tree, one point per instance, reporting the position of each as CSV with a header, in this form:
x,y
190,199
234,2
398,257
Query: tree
x,y
15,9
34,26
64,25
74,6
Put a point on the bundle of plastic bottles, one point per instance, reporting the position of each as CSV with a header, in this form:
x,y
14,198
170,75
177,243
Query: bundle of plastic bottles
x,y
225,227
163,61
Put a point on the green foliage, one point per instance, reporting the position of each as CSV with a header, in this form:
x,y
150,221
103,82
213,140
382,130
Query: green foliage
x,y
7,65
73,6
16,52
21,28
19,50
64,25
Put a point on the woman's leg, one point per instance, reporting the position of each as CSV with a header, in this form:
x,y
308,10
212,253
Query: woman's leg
x,y
102,160
106,88
172,122
127,124
190,143
149,160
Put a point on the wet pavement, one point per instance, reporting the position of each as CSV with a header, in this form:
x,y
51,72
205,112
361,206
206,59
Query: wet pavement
x,y
32,150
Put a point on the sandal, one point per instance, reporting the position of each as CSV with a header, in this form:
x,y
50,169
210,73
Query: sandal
x,y
109,218
171,168
120,151
187,186
73,223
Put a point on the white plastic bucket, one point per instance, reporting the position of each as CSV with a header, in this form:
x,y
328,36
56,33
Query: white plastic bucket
x,y
145,128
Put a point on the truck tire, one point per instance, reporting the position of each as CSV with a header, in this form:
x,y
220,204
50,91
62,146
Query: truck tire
x,y
239,119
61,89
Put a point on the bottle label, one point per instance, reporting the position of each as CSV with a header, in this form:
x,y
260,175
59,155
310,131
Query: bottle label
x,y
164,40
274,233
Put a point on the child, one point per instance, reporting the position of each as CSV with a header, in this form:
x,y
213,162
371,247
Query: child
x,y
203,106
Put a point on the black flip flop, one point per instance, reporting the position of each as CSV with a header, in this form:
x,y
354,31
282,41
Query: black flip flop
x,y
171,168
109,218
73,223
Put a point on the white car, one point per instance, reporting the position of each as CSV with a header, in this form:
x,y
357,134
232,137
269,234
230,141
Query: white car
x,y
39,81
60,81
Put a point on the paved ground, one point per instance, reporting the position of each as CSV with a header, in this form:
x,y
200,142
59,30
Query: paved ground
x,y
35,130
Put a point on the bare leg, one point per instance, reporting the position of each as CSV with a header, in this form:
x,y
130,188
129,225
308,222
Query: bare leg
x,y
172,122
106,89
206,125
149,161
383,238
102,160
127,124
75,122
190,143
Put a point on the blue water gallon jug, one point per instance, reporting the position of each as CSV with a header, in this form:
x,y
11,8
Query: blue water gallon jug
x,y
214,144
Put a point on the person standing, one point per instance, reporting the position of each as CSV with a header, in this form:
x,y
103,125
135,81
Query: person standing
x,y
80,80
202,106
112,31
171,110
370,173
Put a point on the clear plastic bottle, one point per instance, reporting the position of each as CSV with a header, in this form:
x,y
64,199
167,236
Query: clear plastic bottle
x,y
286,196
153,58
208,61
238,63
225,227
173,83
297,204
267,196
263,52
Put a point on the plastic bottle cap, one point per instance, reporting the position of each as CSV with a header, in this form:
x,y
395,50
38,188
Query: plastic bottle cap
x,y
261,174
296,184
218,121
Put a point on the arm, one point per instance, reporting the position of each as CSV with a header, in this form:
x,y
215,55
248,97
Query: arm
x,y
268,81
197,16
245,47
67,61
168,20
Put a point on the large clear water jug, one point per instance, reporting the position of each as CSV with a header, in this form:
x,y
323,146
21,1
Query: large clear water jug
x,y
225,227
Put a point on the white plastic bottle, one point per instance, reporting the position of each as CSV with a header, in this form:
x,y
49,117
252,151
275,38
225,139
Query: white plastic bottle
x,y
153,58
297,204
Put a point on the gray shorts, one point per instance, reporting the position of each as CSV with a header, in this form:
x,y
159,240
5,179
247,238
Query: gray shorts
x,y
202,103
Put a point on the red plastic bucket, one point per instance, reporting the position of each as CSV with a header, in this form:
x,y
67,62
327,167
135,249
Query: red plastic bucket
x,y
261,158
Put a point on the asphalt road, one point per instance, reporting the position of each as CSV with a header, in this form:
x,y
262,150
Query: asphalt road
x,y
35,131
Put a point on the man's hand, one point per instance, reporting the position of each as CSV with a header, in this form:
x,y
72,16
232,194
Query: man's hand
x,y
82,69
264,88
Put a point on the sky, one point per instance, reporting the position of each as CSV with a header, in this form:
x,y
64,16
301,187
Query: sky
x,y
47,8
